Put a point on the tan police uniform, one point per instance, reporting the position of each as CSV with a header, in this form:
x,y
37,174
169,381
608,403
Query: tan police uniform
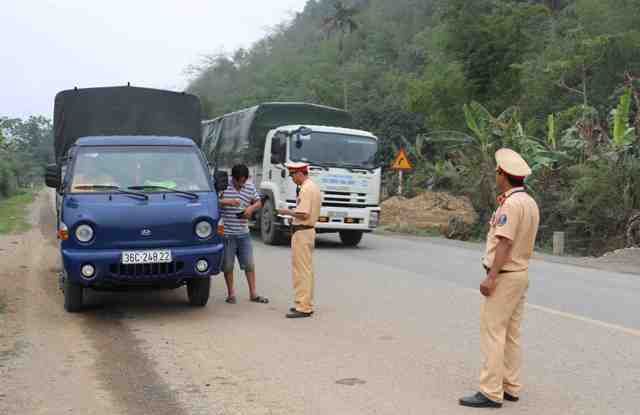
x,y
516,218
302,245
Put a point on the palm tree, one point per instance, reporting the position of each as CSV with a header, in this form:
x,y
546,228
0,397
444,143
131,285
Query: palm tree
x,y
341,21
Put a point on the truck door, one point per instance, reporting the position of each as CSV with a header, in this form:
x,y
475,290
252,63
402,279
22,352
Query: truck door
x,y
277,170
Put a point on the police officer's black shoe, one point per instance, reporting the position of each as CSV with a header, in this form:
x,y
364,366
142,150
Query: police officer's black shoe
x,y
298,314
293,310
510,398
479,401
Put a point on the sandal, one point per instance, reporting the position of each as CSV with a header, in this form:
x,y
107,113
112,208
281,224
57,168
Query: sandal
x,y
259,299
231,300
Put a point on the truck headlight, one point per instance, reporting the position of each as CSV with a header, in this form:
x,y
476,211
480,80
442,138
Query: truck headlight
x,y
204,229
374,219
84,233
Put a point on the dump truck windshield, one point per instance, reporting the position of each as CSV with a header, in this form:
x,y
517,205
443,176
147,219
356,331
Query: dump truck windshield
x,y
155,169
334,149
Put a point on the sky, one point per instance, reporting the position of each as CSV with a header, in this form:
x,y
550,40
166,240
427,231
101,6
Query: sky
x,y
51,45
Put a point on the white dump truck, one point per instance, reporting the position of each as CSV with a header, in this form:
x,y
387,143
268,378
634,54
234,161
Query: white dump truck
x,y
342,163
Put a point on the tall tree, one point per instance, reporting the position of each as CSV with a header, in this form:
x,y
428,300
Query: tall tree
x,y
341,21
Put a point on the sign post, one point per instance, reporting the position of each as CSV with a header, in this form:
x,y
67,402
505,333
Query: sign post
x,y
401,164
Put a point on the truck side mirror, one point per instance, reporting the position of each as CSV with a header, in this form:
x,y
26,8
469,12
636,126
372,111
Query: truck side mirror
x,y
52,176
220,180
278,149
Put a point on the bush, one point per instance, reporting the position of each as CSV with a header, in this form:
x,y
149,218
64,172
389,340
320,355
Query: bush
x,y
599,202
8,179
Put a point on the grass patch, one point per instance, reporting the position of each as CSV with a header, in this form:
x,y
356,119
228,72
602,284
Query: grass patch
x,y
13,213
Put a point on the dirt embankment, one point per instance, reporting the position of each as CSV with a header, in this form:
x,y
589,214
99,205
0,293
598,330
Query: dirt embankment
x,y
625,260
433,211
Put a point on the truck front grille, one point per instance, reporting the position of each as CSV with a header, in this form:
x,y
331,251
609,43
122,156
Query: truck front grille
x,y
343,199
146,270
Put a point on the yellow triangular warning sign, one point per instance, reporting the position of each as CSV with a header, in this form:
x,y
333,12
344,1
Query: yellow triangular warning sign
x,y
402,161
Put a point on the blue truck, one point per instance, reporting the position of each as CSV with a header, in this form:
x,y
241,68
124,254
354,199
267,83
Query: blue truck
x,y
136,203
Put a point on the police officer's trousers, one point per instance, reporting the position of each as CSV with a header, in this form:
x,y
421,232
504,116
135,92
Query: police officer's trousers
x,y
501,317
302,245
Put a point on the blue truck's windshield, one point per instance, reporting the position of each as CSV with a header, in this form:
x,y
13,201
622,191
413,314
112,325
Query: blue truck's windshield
x,y
335,149
177,168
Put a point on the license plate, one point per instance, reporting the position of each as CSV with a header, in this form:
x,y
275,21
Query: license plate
x,y
146,257
337,215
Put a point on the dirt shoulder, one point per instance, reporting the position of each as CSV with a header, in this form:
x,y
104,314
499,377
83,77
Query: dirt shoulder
x,y
47,358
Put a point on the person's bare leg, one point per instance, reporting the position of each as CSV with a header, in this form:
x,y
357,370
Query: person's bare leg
x,y
251,281
228,278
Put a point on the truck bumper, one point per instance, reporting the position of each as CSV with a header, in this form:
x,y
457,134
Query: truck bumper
x,y
335,219
109,269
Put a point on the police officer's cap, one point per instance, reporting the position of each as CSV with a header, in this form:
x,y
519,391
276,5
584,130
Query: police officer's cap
x,y
297,166
512,163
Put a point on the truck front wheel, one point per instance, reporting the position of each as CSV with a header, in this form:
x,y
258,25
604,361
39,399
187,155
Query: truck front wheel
x,y
72,296
198,291
269,231
351,238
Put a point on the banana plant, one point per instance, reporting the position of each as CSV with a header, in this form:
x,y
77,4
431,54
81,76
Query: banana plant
x,y
623,135
552,141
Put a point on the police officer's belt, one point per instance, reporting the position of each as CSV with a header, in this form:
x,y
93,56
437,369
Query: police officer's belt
x,y
486,268
296,228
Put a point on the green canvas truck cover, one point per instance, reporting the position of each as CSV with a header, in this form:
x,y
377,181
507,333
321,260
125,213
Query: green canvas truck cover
x,y
239,137
124,110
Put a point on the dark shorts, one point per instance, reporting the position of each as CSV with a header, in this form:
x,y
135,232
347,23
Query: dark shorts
x,y
238,246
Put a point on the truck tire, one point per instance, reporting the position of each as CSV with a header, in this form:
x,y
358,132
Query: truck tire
x,y
198,291
351,238
73,294
269,231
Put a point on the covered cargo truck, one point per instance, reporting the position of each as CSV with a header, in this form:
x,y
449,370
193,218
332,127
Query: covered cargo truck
x,y
268,135
136,205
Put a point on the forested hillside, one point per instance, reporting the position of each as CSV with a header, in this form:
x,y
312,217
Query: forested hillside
x,y
452,80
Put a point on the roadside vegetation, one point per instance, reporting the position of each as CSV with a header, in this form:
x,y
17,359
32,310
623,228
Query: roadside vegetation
x,y
13,213
453,80
25,150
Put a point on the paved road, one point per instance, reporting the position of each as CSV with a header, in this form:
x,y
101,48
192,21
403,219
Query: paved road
x,y
396,332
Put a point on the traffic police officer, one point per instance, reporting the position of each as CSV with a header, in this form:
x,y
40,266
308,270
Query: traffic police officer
x,y
305,216
510,243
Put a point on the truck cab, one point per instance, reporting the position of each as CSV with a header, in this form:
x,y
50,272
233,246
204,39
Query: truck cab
x,y
341,164
134,211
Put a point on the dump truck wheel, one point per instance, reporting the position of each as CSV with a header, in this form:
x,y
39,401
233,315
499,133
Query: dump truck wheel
x,y
351,238
269,231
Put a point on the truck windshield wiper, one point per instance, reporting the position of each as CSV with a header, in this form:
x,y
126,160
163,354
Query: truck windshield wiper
x,y
347,166
167,189
353,167
108,188
318,164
